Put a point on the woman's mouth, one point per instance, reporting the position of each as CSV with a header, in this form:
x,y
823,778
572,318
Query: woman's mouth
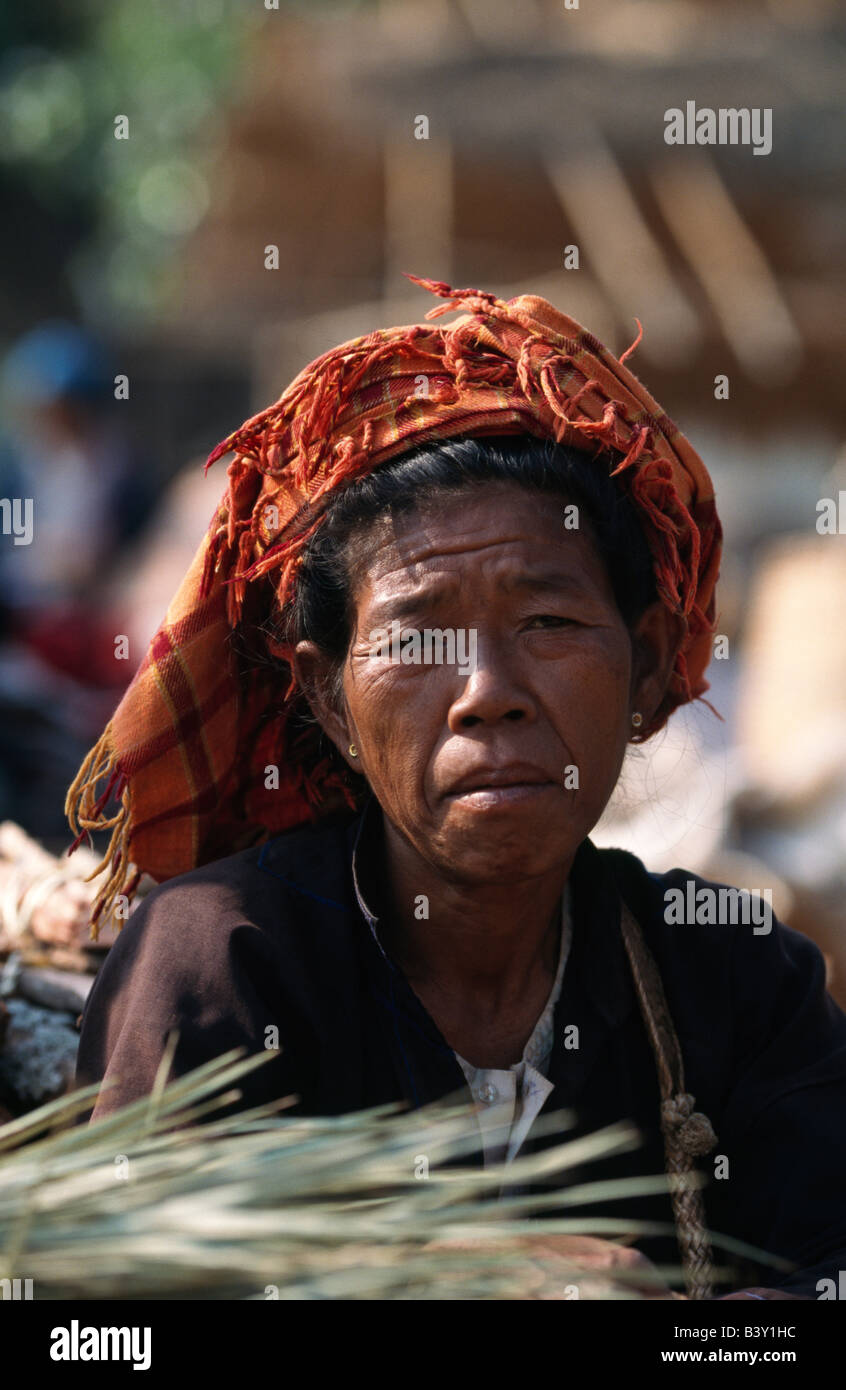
x,y
494,788
492,798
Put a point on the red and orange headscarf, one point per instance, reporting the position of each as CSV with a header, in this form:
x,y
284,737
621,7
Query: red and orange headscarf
x,y
187,748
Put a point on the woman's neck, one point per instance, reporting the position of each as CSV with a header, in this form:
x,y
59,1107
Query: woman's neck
x,y
489,947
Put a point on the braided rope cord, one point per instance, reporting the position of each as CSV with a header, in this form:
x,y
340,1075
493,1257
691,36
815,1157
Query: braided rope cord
x,y
687,1132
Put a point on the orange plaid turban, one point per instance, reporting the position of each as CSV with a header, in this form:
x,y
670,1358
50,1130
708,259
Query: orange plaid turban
x,y
187,749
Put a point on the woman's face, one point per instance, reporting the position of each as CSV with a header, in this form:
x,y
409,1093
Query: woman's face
x,y
545,714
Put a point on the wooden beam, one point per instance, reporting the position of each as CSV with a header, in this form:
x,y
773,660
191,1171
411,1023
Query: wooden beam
x,y
616,243
731,266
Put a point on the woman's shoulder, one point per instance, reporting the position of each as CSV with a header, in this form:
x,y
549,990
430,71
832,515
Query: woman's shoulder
x,y
718,943
275,887
685,898
248,942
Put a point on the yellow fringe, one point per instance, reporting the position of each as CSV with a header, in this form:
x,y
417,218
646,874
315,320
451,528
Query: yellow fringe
x,y
99,763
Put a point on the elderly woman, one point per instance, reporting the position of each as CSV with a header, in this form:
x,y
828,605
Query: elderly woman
x,y
455,572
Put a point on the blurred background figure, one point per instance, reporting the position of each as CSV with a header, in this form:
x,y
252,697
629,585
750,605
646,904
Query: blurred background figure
x,y
64,452
65,448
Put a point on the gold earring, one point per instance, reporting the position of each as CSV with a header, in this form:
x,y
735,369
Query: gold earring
x,y
637,719
353,751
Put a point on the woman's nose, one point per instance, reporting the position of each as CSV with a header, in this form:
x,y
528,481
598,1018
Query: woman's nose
x,y
493,690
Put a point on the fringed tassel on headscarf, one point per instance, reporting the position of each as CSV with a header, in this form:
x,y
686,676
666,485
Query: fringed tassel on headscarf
x,y
85,814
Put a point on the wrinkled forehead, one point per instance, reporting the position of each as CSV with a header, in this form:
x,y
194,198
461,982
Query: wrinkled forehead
x,y
499,528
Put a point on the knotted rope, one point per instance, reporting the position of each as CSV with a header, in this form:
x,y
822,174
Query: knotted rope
x,y
688,1133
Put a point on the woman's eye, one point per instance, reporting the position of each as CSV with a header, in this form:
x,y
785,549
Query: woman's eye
x,y
545,619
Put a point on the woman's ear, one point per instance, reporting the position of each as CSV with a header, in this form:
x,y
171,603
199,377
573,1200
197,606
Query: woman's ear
x,y
656,638
316,675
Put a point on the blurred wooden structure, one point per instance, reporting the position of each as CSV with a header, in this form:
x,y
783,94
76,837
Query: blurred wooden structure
x,y
545,129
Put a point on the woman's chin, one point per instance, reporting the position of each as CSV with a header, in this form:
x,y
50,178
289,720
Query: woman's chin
x,y
492,837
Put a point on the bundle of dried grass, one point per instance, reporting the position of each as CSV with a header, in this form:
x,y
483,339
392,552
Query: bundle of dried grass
x,y
146,1204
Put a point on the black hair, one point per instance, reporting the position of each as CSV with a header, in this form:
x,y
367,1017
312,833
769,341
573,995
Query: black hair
x,y
323,608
